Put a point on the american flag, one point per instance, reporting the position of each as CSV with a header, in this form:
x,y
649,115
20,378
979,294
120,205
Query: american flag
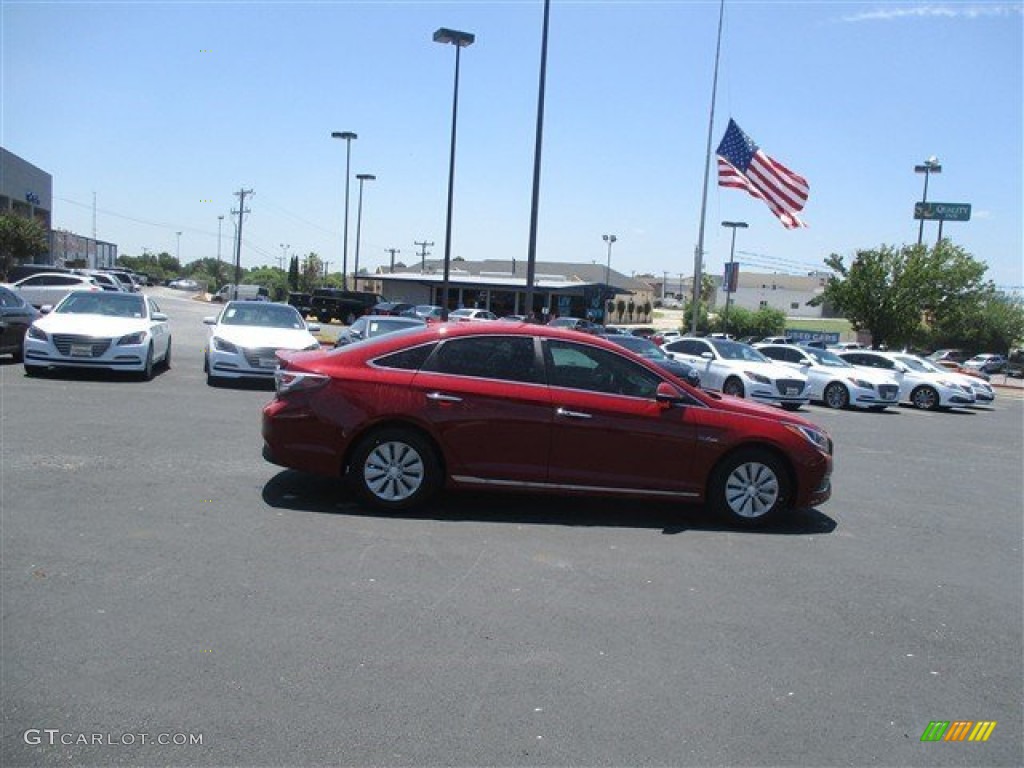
x,y
743,165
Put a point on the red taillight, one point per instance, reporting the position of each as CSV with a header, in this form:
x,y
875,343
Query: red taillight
x,y
288,382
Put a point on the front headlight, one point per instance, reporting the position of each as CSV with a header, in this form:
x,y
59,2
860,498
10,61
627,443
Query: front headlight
x,y
221,345
949,384
35,333
815,437
757,377
132,338
862,383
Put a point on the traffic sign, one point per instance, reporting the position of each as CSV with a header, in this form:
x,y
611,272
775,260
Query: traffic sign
x,y
943,211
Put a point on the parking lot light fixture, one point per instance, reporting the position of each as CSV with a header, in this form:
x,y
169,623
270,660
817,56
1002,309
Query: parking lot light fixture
x,y
359,224
733,225
928,167
347,136
460,40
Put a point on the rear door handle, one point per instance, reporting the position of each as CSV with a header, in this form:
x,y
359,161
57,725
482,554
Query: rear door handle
x,y
437,397
573,414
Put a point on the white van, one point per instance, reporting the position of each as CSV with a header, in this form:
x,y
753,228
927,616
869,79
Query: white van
x,y
245,293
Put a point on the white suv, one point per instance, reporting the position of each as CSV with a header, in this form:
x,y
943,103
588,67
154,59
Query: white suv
x,y
833,381
922,386
739,369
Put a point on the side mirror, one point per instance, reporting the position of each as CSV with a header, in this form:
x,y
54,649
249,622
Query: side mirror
x,y
313,328
46,309
693,378
901,368
159,317
667,395
210,320
707,355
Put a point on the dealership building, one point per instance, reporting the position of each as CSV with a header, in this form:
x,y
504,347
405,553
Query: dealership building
x,y
27,191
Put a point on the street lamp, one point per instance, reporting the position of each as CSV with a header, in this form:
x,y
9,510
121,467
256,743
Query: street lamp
x,y
610,239
730,278
928,167
460,40
347,136
359,223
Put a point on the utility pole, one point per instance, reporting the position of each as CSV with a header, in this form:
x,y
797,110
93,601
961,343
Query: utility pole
x,y
284,255
220,222
392,251
326,265
242,210
423,254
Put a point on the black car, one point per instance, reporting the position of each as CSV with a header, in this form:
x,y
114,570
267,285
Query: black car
x,y
302,302
651,351
16,315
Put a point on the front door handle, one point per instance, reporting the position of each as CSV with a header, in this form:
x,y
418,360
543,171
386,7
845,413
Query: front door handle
x,y
573,414
437,397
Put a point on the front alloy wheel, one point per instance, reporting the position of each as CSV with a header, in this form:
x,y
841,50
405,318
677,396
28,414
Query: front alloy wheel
x,y
925,398
733,387
395,469
836,396
750,488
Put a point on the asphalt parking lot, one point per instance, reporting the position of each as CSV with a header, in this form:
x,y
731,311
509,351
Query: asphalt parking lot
x,y
161,579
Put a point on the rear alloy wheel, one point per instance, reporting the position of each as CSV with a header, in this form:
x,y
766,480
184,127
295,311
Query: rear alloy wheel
x,y
733,386
394,469
836,396
925,398
749,488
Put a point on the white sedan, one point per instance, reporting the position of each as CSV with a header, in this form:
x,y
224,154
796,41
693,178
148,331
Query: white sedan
x,y
245,337
924,386
466,315
50,287
115,331
833,381
740,370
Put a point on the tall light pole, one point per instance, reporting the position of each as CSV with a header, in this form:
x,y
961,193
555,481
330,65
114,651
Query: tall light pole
x,y
733,225
177,248
610,239
359,223
928,167
220,222
460,40
347,136
284,254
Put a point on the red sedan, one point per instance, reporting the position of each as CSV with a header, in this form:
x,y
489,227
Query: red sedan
x,y
518,407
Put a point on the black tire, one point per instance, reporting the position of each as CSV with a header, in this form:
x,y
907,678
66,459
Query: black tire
x,y
791,406
18,355
166,362
749,488
34,370
836,396
147,372
925,398
394,469
733,386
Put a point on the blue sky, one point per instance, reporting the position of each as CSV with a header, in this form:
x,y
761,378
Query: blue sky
x,y
165,110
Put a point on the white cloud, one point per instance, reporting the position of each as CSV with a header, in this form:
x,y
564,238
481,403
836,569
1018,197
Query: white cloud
x,y
939,11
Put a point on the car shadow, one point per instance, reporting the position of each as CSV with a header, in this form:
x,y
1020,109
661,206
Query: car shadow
x,y
266,385
957,410
300,492
96,374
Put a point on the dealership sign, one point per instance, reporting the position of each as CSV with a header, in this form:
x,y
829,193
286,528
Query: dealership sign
x,y
943,211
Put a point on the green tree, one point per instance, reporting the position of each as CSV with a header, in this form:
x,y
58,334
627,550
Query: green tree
x,y
293,273
213,272
21,239
895,293
312,273
274,279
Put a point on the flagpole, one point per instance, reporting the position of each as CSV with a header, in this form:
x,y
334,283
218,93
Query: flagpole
x,y
699,250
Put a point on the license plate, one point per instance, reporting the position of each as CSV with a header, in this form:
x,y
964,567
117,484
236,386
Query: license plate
x,y
81,350
792,391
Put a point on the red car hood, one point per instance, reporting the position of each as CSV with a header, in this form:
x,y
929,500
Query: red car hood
x,y
750,408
